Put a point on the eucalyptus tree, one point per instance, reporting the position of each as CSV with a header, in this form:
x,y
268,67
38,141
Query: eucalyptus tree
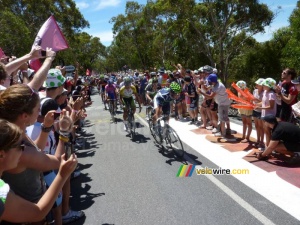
x,y
223,27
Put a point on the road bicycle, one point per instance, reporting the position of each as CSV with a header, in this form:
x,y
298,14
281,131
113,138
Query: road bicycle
x,y
111,108
130,120
164,135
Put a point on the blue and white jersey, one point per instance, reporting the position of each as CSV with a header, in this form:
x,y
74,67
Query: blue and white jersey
x,y
163,97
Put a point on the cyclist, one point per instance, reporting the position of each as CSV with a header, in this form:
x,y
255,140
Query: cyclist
x,y
151,90
163,98
101,87
110,92
126,99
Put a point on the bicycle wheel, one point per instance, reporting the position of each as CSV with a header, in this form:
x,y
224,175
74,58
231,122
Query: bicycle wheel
x,y
173,142
153,132
131,125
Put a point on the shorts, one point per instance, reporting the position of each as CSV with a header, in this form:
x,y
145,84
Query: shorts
x,y
165,107
194,105
49,178
285,114
111,96
223,113
129,102
180,99
208,103
256,114
292,146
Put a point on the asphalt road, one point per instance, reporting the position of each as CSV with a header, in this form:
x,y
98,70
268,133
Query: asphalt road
x,y
131,182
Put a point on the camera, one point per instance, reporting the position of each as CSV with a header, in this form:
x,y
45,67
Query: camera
x,y
43,53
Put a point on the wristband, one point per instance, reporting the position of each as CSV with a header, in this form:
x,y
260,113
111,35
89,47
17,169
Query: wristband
x,y
63,138
46,129
64,133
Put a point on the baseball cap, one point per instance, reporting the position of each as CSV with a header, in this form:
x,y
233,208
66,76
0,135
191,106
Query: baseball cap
x,y
296,81
47,105
270,119
212,78
54,79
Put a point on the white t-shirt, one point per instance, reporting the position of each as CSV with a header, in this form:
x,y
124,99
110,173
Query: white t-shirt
x,y
34,131
221,96
267,96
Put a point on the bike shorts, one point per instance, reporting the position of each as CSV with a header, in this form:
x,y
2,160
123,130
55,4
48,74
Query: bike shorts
x,y
165,107
129,102
111,96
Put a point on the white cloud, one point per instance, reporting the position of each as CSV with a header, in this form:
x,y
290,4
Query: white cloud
x,y
107,3
106,37
82,5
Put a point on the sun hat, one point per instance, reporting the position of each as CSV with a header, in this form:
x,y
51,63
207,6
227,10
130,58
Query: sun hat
x,y
54,79
269,82
241,84
260,81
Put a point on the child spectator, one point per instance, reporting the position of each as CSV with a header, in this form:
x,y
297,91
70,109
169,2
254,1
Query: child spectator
x,y
246,115
267,104
258,122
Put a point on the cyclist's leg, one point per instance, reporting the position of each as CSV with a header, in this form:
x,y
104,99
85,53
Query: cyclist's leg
x,y
132,105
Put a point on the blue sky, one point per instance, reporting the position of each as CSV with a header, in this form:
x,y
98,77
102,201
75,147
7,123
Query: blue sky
x,y
99,12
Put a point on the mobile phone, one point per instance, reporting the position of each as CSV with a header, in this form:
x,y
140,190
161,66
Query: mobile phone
x,y
56,115
43,53
68,150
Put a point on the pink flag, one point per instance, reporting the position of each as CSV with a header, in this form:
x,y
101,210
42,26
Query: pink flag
x,y
51,36
2,55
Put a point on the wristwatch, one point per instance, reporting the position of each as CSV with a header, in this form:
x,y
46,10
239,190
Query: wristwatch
x,y
46,129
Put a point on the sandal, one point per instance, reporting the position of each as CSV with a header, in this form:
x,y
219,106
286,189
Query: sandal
x,y
260,157
244,140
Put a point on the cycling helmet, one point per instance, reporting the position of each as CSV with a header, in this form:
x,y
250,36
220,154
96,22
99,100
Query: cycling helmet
x,y
175,87
207,69
106,77
152,74
215,70
241,84
101,76
109,82
127,81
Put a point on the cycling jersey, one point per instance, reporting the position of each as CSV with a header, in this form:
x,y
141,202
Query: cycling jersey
x,y
110,90
163,97
127,93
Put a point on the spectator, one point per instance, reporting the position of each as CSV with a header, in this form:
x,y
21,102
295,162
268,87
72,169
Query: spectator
x,y
296,82
288,94
25,179
193,98
267,105
285,139
218,92
14,208
246,115
258,123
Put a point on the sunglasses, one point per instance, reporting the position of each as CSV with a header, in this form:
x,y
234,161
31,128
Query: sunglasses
x,y
20,146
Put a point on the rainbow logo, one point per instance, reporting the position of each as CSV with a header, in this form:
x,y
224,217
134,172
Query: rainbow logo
x,y
185,171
